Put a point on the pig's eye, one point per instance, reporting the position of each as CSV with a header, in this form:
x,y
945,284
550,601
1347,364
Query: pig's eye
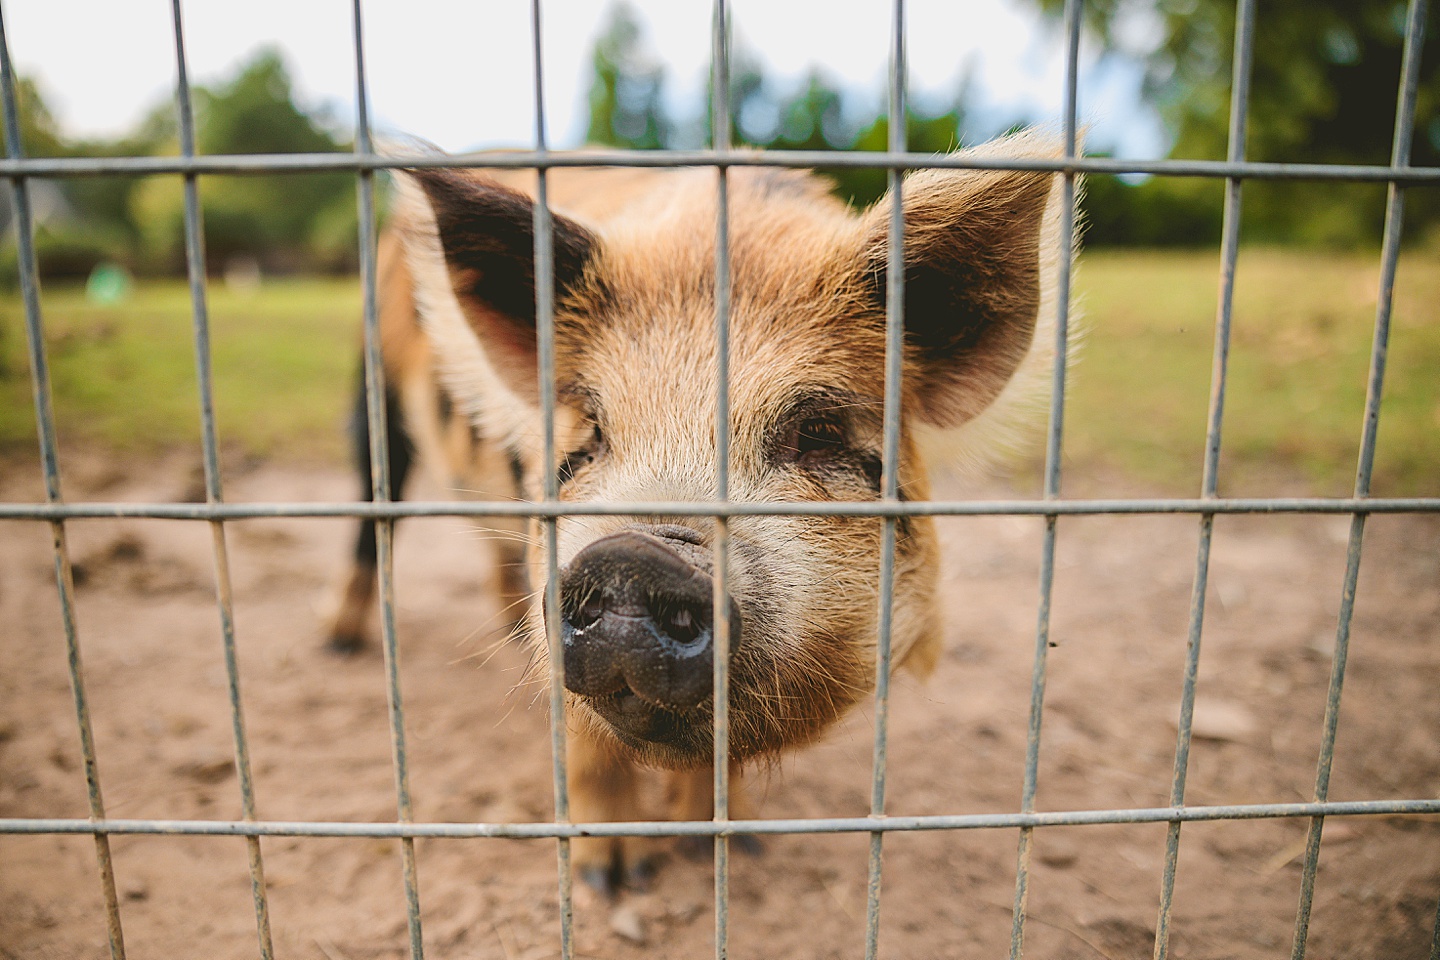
x,y
587,454
819,436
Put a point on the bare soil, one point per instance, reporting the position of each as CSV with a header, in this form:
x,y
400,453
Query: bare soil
x,y
319,740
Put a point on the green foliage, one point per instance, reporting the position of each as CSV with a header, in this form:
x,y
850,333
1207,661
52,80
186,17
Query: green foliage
x,y
924,133
627,109
285,221
123,375
39,133
1157,212
269,218
1323,90
625,94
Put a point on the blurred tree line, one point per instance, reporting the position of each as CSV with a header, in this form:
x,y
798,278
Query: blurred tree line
x,y
1323,88
1323,91
628,109
278,222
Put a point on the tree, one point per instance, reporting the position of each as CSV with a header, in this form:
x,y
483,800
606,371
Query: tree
x,y
1323,90
39,133
627,109
272,218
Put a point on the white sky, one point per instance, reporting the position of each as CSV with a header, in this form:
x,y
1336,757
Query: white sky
x,y
459,73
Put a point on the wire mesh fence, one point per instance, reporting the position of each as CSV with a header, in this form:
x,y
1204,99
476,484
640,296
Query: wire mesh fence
x,y
365,163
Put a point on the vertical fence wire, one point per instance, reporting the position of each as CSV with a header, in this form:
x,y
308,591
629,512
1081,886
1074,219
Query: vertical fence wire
x,y
1435,937
889,468
544,226
224,596
544,273
380,488
1389,258
721,628
1052,474
45,429
1230,248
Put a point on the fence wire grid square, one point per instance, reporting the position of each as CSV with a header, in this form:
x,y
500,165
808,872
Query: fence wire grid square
x,y
365,162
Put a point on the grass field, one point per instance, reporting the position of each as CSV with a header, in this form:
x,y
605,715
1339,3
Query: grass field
x,y
285,361
1299,362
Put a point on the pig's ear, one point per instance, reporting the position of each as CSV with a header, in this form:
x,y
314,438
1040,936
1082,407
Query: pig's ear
x,y
486,232
972,282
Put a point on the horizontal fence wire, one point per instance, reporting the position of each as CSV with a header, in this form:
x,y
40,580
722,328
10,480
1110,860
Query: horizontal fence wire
x,y
365,162
263,163
707,828
691,508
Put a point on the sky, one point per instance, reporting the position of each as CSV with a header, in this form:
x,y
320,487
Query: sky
x,y
460,74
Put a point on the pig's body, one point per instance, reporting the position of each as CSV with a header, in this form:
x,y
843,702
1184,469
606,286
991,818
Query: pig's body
x,y
636,389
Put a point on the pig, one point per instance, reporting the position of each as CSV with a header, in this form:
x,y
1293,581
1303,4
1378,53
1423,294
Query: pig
x,y
635,385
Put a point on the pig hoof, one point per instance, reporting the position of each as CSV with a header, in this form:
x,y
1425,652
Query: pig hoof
x,y
695,848
602,879
640,874
699,848
345,644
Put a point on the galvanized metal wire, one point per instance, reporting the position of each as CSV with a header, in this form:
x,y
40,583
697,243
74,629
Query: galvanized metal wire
x,y
1389,258
709,828
721,626
544,225
224,595
380,489
1053,446
49,459
889,509
258,509
13,167
889,469
1209,483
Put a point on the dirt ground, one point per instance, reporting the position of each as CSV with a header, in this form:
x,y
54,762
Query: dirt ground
x,y
320,748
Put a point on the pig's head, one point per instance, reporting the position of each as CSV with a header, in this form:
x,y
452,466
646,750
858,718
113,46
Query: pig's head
x,y
635,382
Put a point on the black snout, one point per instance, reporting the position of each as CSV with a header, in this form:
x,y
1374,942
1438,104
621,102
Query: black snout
x,y
637,618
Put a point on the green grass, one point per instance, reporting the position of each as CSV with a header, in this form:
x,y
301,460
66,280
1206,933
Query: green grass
x,y
284,358
285,361
1299,362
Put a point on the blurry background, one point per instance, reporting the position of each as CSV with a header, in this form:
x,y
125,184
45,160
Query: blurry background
x,y
97,78
1154,82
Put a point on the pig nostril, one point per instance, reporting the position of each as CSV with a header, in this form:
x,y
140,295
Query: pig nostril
x,y
590,611
681,624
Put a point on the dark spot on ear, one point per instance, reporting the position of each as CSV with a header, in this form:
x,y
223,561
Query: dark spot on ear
x,y
488,234
517,470
972,283
871,466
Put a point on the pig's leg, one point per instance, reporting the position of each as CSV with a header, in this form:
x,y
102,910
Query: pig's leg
x,y
692,797
605,787
346,633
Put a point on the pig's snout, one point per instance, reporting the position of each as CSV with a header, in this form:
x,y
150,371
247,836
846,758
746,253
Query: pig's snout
x,y
637,618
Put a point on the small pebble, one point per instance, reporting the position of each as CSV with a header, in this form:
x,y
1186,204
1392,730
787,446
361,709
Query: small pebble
x,y
627,925
206,768
1219,720
1055,853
